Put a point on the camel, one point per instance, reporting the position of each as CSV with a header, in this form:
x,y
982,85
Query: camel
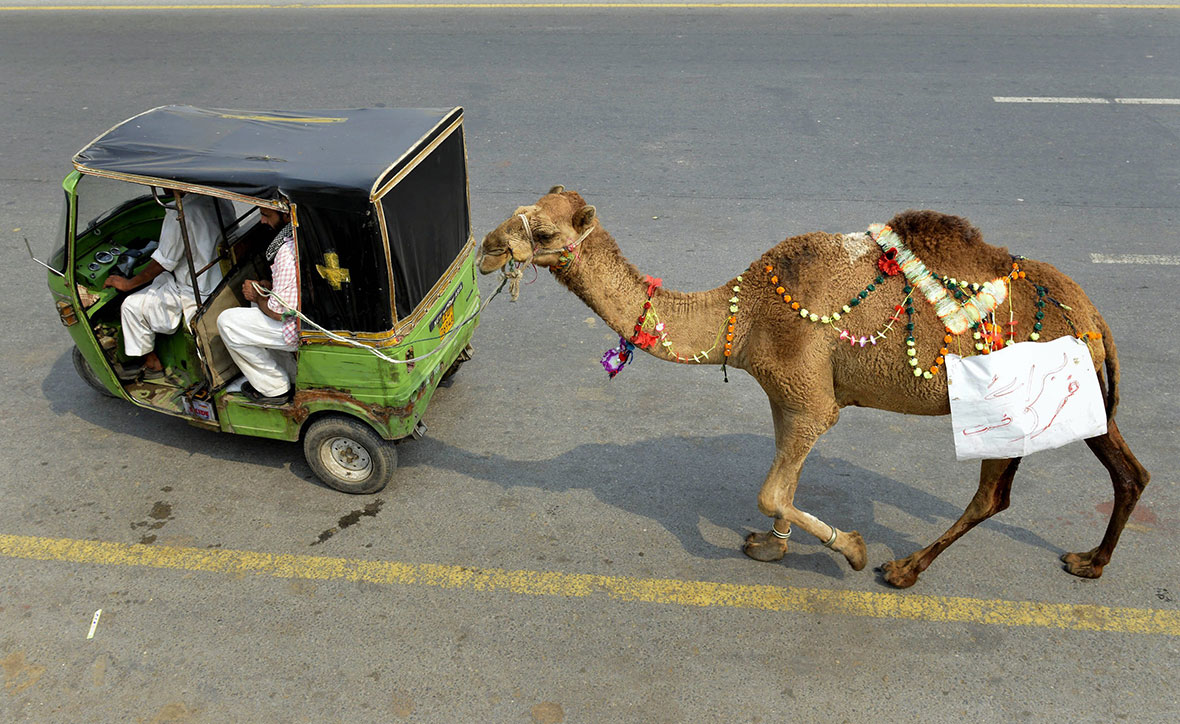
x,y
788,321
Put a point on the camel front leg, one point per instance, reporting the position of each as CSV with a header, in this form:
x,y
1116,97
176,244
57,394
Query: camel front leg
x,y
795,434
772,545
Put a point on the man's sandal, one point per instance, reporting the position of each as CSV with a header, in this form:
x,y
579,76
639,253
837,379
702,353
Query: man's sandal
x,y
127,373
152,375
256,396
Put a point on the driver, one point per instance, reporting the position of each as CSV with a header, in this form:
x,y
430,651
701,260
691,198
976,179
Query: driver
x,y
159,308
261,337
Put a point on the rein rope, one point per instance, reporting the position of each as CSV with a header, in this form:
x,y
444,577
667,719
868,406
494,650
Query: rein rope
x,y
292,311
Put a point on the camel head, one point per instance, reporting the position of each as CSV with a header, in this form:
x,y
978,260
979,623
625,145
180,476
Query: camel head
x,y
542,234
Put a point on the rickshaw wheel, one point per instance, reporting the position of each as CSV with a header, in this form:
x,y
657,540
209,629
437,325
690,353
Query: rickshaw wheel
x,y
347,455
82,367
465,355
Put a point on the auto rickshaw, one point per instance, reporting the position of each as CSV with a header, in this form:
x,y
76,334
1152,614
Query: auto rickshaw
x,y
388,301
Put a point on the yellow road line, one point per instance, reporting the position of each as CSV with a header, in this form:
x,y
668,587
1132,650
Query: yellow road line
x,y
596,6
574,585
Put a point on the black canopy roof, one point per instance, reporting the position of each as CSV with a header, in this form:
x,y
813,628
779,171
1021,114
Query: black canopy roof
x,y
329,158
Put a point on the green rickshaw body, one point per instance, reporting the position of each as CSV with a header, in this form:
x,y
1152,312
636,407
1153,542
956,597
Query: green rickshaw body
x,y
379,205
392,398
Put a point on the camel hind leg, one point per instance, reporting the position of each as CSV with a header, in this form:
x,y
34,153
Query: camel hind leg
x,y
795,434
1129,479
992,496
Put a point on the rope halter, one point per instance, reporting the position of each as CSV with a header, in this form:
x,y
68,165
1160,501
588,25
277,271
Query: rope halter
x,y
512,270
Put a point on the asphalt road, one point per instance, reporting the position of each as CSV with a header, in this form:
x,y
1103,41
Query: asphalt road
x,y
564,548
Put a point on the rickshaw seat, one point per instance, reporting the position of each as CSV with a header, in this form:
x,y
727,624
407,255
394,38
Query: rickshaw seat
x,y
221,366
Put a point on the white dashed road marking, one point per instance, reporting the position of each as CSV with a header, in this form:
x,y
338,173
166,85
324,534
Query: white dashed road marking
x,y
1046,99
1135,259
1149,101
1098,101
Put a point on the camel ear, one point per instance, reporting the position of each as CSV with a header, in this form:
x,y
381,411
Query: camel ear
x,y
584,217
557,189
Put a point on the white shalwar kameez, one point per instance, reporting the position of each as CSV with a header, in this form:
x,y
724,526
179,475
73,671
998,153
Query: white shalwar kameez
x,y
160,307
259,345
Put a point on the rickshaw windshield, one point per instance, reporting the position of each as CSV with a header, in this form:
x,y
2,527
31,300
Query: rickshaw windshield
x,y
101,198
57,260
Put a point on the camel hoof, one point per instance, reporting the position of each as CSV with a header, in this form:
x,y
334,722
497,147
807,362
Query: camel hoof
x,y
899,574
854,551
1082,564
764,547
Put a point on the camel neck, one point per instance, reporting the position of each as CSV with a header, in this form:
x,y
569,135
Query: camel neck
x,y
693,323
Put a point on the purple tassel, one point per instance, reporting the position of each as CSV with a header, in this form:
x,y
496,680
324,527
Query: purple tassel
x,y
615,359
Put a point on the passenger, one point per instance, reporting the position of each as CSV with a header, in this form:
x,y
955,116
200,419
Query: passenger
x,y
160,308
261,337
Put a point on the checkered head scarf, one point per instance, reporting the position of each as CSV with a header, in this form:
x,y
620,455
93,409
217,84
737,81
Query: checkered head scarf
x,y
278,241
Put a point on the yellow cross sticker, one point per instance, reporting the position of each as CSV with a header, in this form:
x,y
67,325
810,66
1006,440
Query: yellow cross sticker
x,y
331,270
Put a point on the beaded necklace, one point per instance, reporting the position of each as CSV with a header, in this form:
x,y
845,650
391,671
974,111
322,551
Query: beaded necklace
x,y
834,316
615,359
958,309
854,339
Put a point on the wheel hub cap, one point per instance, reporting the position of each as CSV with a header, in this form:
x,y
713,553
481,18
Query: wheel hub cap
x,y
348,458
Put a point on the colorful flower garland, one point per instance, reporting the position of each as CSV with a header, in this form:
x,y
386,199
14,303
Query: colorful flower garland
x,y
618,357
615,359
956,316
958,309
959,304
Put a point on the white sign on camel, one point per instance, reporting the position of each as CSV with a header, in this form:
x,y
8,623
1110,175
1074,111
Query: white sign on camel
x,y
1024,398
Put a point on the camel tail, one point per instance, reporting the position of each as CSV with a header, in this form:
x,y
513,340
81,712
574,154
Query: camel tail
x,y
1112,370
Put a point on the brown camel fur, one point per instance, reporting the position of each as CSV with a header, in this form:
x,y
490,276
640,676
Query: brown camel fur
x,y
808,373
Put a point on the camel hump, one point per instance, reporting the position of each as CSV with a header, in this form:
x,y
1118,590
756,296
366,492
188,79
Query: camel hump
x,y
929,231
949,244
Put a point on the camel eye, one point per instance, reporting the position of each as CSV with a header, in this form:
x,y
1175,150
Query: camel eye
x,y
544,231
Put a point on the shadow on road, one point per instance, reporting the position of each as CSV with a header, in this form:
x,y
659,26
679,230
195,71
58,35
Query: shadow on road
x,y
674,481
677,481
69,395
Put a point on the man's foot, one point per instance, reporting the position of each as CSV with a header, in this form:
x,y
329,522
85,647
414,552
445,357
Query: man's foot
x,y
256,396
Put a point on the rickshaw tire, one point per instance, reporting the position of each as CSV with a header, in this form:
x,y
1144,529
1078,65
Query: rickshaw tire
x,y
82,367
348,456
465,355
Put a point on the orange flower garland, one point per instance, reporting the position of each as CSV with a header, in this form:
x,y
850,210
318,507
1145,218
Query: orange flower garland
x,y
988,334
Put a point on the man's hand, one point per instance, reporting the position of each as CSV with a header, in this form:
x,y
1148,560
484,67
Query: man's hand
x,y
249,292
123,284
